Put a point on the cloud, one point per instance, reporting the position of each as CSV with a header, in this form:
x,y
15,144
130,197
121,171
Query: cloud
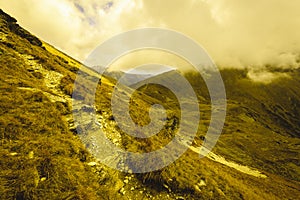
x,y
235,33
75,27
265,77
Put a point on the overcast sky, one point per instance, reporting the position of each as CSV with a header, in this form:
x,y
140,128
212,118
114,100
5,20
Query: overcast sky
x,y
235,33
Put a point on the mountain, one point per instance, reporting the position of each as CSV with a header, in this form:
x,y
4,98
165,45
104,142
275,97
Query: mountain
x,y
128,78
132,77
46,154
258,115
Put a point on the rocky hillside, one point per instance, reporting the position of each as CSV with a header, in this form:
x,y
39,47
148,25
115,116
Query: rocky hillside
x,y
42,155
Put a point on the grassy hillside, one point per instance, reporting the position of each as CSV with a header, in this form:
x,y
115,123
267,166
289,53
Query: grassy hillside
x,y
244,141
262,123
42,156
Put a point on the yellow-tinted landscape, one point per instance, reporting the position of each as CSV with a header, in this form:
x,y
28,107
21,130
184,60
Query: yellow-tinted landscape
x,y
49,127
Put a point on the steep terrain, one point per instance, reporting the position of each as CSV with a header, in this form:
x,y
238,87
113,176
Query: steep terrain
x,y
262,123
42,155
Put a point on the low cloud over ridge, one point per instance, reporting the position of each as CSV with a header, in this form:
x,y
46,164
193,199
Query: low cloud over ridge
x,y
235,33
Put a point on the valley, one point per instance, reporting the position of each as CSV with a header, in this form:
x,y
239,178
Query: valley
x,y
50,141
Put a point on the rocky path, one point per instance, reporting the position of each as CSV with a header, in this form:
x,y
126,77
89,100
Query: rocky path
x,y
52,82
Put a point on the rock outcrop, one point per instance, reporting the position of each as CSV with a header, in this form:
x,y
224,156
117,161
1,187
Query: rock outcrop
x,y
10,23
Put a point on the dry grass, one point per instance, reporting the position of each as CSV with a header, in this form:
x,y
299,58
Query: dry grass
x,y
41,159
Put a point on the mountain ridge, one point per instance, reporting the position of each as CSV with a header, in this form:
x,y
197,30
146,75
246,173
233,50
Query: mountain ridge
x,y
43,157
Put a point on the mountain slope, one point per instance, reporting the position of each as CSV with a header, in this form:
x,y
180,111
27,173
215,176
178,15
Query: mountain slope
x,y
42,156
262,123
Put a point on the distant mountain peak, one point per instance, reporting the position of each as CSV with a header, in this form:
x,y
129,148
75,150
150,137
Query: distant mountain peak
x,y
151,69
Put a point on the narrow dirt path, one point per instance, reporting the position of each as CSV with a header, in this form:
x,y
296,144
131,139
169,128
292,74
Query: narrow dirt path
x,y
222,160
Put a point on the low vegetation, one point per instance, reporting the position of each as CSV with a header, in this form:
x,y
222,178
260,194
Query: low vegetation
x,y
42,156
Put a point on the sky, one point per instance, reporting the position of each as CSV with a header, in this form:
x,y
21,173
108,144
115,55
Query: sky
x,y
235,33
